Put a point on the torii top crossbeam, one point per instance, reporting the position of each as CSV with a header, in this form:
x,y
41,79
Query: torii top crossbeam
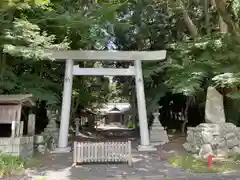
x,y
107,55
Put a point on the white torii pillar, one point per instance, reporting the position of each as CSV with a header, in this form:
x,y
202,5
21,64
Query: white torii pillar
x,y
142,112
66,108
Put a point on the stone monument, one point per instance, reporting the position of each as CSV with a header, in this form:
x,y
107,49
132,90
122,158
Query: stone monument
x,y
158,134
215,137
214,108
51,132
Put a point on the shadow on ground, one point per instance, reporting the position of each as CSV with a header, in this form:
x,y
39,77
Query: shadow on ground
x,y
146,166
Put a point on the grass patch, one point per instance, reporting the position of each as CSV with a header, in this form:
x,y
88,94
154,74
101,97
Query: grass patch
x,y
192,164
10,165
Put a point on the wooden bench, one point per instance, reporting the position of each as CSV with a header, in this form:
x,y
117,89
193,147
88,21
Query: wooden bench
x,y
101,151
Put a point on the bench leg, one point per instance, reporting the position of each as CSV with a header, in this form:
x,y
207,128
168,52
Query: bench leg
x,y
130,160
129,153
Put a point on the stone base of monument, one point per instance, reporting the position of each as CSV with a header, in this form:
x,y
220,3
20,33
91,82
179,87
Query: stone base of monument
x,y
52,129
61,150
215,139
158,135
149,148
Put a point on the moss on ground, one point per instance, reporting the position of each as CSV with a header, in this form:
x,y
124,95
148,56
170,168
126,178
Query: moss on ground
x,y
10,164
192,164
41,178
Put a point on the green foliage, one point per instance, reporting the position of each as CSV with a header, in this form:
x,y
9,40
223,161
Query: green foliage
x,y
29,27
192,65
25,40
13,165
232,111
10,164
213,60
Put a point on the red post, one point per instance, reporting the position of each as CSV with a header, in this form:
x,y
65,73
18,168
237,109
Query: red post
x,y
210,161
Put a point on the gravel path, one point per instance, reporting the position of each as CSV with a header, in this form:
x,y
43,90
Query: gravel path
x,y
146,166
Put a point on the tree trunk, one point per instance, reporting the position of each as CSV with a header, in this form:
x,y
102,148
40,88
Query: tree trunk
x,y
226,17
207,17
222,25
188,21
185,115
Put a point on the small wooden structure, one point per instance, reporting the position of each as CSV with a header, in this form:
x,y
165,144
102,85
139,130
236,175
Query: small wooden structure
x,y
114,115
11,114
102,151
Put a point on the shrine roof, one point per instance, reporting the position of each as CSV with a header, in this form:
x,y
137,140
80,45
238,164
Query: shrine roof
x,y
24,99
109,108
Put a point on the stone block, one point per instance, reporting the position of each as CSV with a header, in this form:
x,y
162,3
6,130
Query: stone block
x,y
235,150
207,137
19,146
223,152
232,142
225,140
230,135
205,151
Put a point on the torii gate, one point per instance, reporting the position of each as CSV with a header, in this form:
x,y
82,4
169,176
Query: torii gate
x,y
71,70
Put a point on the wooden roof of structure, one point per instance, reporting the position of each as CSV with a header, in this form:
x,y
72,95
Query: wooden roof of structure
x,y
24,99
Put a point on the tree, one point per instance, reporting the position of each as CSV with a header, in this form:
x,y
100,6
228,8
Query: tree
x,y
201,38
29,27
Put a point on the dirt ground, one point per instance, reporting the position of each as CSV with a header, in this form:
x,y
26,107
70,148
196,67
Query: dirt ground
x,y
174,147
